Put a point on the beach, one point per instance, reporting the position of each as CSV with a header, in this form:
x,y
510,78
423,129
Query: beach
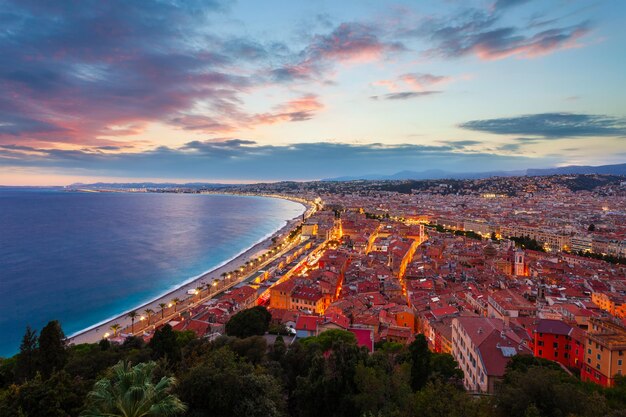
x,y
96,332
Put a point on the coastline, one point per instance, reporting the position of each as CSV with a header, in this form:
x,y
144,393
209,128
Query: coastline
x,y
95,332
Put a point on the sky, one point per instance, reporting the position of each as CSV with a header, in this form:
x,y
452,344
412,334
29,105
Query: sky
x,y
248,91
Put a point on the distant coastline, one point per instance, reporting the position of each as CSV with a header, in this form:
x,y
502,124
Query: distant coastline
x,y
92,333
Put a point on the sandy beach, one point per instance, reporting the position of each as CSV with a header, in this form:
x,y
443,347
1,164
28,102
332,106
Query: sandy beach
x,y
95,333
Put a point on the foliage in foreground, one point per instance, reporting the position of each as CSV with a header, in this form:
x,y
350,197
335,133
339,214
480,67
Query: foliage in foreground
x,y
131,392
327,375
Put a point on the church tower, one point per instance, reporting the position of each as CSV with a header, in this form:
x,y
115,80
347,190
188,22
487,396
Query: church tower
x,y
519,263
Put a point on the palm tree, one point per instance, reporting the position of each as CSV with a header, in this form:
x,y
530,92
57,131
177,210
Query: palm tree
x,y
175,301
224,274
149,312
130,392
116,328
133,314
162,305
216,282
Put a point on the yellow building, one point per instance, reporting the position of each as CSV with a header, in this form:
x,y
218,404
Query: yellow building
x,y
604,352
309,230
280,295
610,302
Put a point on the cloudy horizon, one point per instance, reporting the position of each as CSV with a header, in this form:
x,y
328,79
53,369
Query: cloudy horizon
x,y
241,91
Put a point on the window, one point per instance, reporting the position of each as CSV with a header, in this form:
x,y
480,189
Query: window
x,y
588,360
540,343
589,351
556,354
540,352
555,345
619,362
598,356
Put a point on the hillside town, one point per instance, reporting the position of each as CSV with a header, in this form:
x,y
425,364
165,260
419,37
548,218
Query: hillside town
x,y
484,276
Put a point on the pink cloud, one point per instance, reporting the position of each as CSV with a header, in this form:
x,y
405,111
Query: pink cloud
x,y
539,45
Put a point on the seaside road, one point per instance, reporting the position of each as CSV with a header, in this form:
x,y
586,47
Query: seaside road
x,y
173,311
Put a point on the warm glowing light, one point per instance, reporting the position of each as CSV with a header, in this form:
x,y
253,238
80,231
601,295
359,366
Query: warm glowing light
x,y
106,335
169,305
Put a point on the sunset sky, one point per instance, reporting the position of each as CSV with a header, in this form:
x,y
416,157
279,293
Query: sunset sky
x,y
271,90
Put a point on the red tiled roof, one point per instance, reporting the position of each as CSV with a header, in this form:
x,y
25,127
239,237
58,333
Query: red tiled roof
x,y
308,323
553,327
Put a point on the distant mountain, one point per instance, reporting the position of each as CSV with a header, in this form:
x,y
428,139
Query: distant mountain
x,y
437,174
618,169
431,174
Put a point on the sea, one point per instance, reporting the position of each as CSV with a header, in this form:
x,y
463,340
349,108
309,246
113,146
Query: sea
x,y
81,257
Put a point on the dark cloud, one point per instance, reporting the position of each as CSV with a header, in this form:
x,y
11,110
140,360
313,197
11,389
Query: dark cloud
x,y
512,147
94,73
347,42
504,4
405,95
551,125
86,73
460,144
82,68
481,33
241,159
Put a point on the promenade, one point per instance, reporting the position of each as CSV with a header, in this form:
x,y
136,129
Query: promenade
x,y
172,305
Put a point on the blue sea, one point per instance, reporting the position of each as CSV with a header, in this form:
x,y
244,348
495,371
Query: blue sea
x,y
81,258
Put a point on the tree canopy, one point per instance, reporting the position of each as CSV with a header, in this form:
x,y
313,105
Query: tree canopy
x,y
254,321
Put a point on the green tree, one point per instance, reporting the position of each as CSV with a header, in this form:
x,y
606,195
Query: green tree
x,y
164,344
131,392
176,301
132,315
162,306
58,396
420,362
546,392
222,385
252,348
251,322
330,338
279,348
115,328
149,312
444,367
329,387
445,400
52,353
26,365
